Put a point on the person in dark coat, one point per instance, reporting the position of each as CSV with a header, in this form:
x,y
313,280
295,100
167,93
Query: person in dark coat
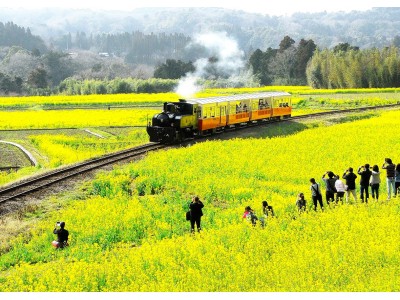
x,y
62,236
365,173
390,174
330,186
196,213
350,178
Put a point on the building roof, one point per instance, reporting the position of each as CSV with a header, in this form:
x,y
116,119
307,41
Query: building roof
x,y
236,97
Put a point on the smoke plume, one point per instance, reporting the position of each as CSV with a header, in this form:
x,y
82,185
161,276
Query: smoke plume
x,y
224,60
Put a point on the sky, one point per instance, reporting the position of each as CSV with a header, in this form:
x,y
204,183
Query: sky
x,y
275,7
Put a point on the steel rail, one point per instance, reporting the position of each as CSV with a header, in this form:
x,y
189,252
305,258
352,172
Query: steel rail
x,y
35,183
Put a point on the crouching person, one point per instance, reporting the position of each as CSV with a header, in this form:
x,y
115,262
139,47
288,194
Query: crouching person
x,y
62,235
250,215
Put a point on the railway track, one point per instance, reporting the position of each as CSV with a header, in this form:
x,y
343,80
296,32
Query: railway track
x,y
45,180
344,111
37,183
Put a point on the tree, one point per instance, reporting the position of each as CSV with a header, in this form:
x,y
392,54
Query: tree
x,y
58,66
282,67
259,61
305,51
344,47
19,62
371,68
38,78
256,61
286,43
173,69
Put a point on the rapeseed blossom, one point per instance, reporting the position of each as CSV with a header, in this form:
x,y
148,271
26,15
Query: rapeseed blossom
x,y
130,233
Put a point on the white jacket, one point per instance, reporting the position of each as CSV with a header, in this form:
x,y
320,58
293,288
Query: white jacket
x,y
339,185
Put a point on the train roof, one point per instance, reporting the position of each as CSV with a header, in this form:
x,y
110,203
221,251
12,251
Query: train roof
x,y
236,97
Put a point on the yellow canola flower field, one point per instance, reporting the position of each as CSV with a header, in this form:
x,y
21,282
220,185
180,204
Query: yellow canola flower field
x,y
76,118
64,100
130,233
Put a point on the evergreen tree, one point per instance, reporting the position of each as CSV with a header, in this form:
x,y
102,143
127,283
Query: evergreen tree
x,y
173,69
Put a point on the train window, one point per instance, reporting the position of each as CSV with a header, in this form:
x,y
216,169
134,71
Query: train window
x,y
222,110
170,107
212,111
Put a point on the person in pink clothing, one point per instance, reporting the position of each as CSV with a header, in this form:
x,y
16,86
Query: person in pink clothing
x,y
250,215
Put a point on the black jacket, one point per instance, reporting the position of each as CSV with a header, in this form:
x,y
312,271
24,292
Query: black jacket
x,y
350,180
62,235
365,176
195,209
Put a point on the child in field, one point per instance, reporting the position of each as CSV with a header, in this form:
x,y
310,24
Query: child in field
x,y
301,203
250,215
267,209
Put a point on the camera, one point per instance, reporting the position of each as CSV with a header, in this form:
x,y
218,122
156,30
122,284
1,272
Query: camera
x,y
58,224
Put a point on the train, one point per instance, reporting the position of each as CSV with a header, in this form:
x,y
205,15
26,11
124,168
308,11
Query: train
x,y
188,118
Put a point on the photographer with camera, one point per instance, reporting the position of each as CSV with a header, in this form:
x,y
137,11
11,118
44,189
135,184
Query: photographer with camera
x,y
195,213
62,235
350,178
390,174
330,186
365,173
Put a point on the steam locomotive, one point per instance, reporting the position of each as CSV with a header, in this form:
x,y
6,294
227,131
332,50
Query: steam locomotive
x,y
203,116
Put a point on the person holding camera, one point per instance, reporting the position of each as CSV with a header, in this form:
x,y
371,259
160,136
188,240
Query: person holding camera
x,y
62,235
330,186
365,173
195,213
340,189
390,174
350,178
375,181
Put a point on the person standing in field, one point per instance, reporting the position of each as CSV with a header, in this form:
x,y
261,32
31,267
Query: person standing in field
x,y
397,180
330,186
390,174
301,203
375,181
316,194
365,174
196,213
340,189
350,178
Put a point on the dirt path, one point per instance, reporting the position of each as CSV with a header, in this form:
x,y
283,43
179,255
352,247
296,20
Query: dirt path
x,y
26,152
